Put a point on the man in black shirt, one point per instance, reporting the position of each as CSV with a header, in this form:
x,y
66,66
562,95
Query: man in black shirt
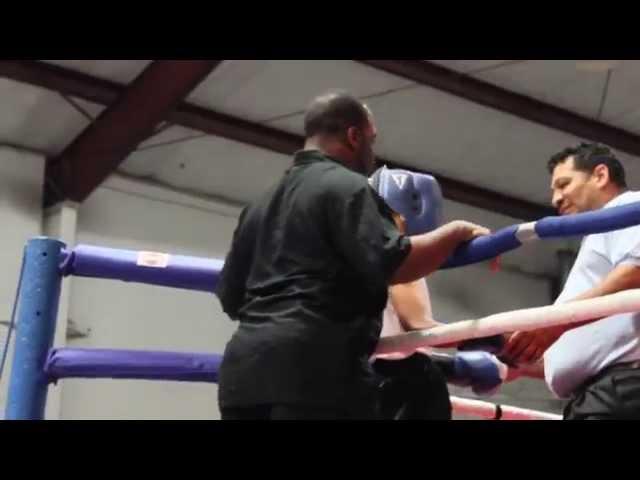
x,y
307,277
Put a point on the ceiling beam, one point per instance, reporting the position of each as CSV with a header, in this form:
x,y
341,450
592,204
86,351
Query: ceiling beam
x,y
262,136
98,151
192,116
479,197
62,80
483,93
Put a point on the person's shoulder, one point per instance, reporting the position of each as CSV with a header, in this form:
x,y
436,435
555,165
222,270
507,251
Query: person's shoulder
x,y
339,180
629,196
254,207
608,243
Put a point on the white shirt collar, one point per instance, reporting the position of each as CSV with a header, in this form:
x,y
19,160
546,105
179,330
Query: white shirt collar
x,y
617,199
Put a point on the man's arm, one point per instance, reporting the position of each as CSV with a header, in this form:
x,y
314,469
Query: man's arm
x,y
527,347
362,229
231,286
430,250
531,370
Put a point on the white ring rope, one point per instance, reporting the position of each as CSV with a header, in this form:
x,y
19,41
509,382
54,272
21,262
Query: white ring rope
x,y
517,320
467,406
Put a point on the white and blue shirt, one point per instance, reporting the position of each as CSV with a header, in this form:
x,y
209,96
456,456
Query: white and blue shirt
x,y
582,352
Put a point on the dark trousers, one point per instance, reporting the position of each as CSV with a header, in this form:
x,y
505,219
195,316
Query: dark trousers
x,y
413,388
613,394
283,412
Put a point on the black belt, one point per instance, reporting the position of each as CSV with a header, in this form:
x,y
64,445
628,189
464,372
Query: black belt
x,y
622,366
611,368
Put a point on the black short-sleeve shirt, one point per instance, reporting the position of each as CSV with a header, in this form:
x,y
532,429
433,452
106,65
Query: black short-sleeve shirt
x,y
307,277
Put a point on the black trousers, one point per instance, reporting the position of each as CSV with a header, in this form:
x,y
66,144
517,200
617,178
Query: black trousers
x,y
283,412
613,394
413,388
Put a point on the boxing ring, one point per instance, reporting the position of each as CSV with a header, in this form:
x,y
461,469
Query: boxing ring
x,y
47,261
490,411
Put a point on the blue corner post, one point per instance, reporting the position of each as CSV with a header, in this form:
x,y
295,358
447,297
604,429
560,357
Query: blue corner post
x,y
35,328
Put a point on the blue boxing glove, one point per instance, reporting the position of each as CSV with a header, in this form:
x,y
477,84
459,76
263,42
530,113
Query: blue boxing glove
x,y
481,371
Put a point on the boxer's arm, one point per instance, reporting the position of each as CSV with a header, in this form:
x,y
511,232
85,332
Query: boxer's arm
x,y
412,305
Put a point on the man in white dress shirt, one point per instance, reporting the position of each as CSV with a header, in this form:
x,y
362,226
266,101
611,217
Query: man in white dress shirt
x,y
596,364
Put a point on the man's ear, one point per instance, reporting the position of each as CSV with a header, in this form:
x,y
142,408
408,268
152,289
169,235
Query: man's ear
x,y
354,136
601,175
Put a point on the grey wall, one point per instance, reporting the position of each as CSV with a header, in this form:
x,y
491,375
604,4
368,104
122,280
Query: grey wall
x,y
132,316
